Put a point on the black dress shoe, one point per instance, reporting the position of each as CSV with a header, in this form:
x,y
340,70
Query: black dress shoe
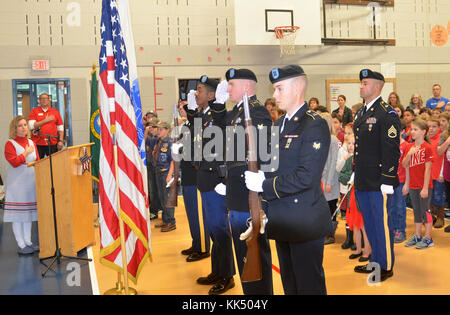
x,y
188,251
209,279
364,259
354,256
363,269
168,227
385,274
222,286
197,256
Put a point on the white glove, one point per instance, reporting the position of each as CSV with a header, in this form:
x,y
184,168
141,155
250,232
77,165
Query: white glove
x,y
192,103
176,147
352,179
254,181
387,189
221,92
221,189
247,233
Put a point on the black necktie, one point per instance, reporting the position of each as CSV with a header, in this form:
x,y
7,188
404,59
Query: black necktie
x,y
364,110
284,124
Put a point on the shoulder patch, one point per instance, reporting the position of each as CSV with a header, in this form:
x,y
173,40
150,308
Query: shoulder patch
x,y
312,114
254,102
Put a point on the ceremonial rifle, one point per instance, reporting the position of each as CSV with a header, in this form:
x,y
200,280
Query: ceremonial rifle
x,y
172,199
252,263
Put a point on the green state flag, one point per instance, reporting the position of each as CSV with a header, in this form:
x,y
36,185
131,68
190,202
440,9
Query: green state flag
x,y
94,125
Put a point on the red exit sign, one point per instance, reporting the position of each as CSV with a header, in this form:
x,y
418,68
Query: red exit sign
x,y
40,65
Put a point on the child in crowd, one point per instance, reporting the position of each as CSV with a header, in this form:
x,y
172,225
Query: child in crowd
x,y
330,177
398,210
356,108
444,119
437,201
408,117
164,168
444,150
337,125
435,112
343,155
354,217
417,162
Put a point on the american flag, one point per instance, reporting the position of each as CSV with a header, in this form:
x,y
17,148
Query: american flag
x,y
119,127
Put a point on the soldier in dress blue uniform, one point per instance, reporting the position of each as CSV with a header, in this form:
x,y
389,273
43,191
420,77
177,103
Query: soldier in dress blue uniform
x,y
208,177
194,210
239,82
298,214
164,166
377,141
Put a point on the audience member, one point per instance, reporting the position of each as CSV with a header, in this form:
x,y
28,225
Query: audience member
x,y
343,155
444,150
437,200
408,117
343,111
398,209
330,177
164,167
313,103
416,103
354,217
356,108
417,162
437,101
399,109
272,108
394,100
337,126
435,112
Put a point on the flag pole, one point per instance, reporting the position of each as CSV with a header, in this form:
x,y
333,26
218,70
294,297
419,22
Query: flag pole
x,y
126,289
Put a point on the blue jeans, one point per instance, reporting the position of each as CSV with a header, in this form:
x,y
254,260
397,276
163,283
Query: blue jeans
x,y
438,197
398,210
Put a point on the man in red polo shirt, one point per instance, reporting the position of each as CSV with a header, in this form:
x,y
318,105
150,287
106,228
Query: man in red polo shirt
x,y
48,121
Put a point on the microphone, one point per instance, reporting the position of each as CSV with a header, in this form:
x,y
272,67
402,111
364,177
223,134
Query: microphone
x,y
48,136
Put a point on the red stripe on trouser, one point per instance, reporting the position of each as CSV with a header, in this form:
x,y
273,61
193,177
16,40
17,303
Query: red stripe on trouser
x,y
276,268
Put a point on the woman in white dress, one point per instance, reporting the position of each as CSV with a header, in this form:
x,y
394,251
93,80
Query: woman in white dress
x,y
20,195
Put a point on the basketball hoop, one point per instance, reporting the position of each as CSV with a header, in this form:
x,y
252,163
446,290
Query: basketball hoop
x,y
287,36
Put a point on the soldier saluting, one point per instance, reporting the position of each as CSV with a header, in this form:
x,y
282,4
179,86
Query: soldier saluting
x,y
241,81
377,140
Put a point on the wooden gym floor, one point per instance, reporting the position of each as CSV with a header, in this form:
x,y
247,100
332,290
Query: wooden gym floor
x,y
415,271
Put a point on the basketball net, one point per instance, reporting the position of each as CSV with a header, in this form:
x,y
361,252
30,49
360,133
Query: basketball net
x,y
287,36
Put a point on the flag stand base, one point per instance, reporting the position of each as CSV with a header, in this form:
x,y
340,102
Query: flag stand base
x,y
120,290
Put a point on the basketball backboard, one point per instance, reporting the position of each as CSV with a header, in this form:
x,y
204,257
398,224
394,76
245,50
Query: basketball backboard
x,y
255,21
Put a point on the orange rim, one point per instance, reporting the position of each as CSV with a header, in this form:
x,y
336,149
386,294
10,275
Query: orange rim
x,y
280,30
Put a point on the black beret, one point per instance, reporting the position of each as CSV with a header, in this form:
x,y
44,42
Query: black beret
x,y
287,72
242,74
369,74
209,82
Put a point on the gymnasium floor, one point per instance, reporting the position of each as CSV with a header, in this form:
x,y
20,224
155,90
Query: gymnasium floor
x,y
415,272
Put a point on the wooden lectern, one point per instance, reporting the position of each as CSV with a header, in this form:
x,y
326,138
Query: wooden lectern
x,y
73,200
